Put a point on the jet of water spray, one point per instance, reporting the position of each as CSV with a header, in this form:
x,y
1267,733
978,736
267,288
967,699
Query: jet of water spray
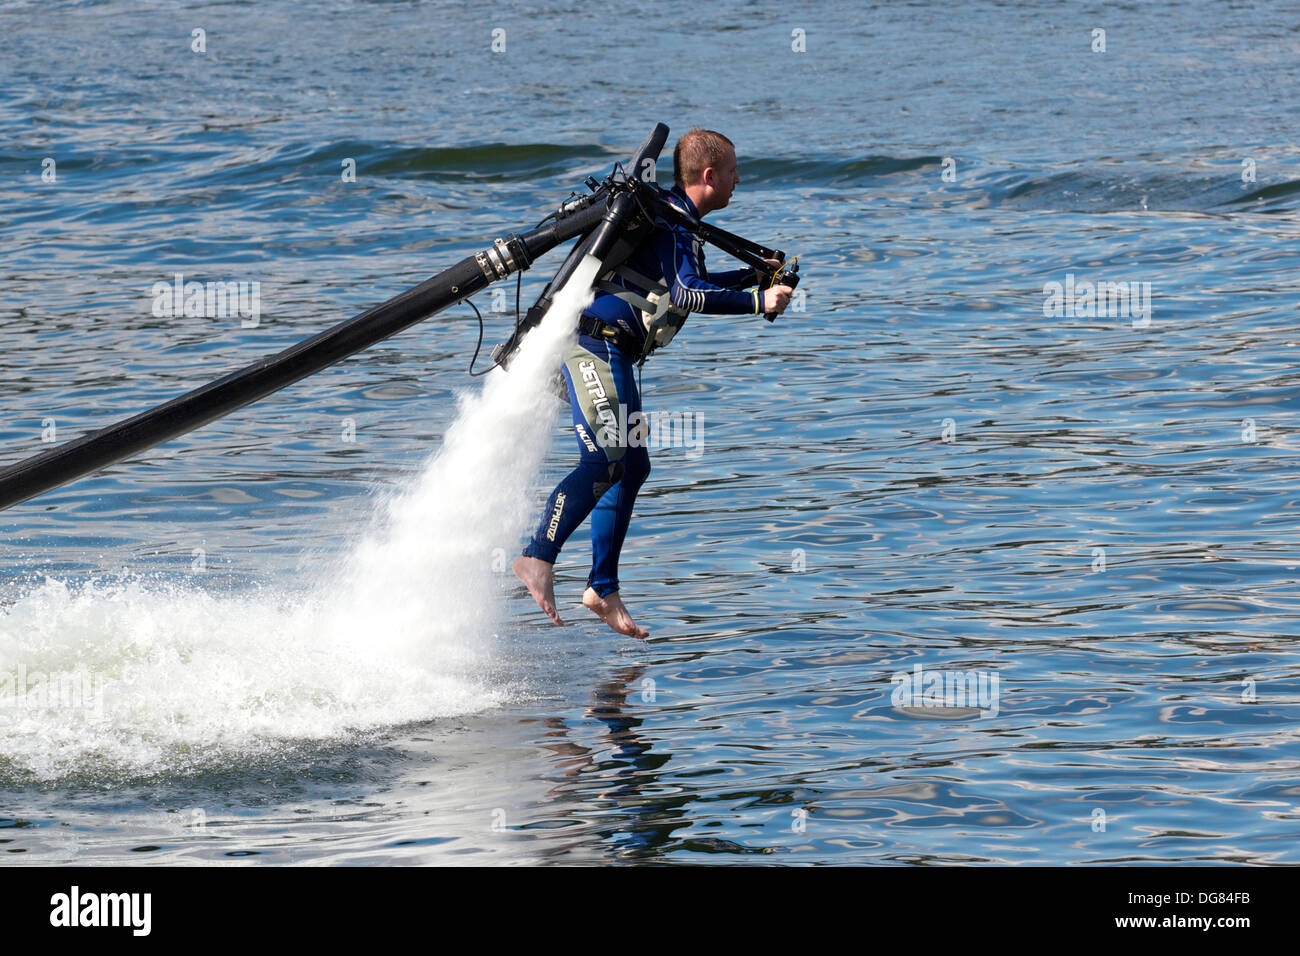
x,y
149,679
427,579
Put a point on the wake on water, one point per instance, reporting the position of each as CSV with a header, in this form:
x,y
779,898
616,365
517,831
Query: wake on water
x,y
147,679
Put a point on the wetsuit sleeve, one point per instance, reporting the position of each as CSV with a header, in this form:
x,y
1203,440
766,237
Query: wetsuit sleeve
x,y
687,286
734,278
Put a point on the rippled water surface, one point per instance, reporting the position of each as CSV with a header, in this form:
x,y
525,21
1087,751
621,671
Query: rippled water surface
x,y
920,469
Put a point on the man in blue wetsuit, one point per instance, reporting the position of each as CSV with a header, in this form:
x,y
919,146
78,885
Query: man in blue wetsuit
x,y
636,309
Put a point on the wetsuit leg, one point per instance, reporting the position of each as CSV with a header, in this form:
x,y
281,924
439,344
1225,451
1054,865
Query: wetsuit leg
x,y
613,513
599,380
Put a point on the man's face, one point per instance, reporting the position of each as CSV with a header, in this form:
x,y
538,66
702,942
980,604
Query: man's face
x,y
725,179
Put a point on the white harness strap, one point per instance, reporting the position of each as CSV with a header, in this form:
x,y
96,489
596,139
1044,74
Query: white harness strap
x,y
661,318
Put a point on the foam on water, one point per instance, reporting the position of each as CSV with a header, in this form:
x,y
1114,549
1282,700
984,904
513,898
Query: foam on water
x,y
153,678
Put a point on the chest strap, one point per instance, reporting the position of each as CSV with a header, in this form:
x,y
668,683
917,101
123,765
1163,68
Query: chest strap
x,y
638,300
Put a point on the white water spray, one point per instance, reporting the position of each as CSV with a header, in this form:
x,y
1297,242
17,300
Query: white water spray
x,y
136,679
429,571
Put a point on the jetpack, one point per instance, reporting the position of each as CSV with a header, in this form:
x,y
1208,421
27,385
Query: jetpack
x,y
608,223
635,205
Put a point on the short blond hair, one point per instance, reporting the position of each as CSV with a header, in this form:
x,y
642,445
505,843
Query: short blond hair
x,y
696,151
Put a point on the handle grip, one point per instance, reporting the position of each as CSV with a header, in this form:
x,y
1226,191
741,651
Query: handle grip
x,y
784,276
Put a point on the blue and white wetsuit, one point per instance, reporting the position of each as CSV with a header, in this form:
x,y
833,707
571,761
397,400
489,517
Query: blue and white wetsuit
x,y
603,393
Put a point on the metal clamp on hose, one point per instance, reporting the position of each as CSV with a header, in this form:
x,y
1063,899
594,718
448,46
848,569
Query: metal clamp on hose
x,y
504,257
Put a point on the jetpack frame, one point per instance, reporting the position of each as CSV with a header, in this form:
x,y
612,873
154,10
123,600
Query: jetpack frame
x,y
607,223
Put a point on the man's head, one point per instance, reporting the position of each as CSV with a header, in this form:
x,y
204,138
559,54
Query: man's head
x,y
704,167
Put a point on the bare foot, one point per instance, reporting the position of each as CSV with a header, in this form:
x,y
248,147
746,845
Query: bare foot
x,y
538,577
611,610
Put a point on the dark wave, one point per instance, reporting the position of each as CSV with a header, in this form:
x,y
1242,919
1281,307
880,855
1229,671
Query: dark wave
x,y
1106,187
1103,186
538,160
535,162
496,161
1273,197
831,171
199,160
1093,191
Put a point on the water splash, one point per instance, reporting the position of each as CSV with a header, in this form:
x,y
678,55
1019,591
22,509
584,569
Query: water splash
x,y
137,677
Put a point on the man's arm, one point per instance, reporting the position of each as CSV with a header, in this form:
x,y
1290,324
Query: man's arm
x,y
742,278
687,286
735,278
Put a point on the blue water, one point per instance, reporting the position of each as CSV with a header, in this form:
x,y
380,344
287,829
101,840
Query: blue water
x,y
918,468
